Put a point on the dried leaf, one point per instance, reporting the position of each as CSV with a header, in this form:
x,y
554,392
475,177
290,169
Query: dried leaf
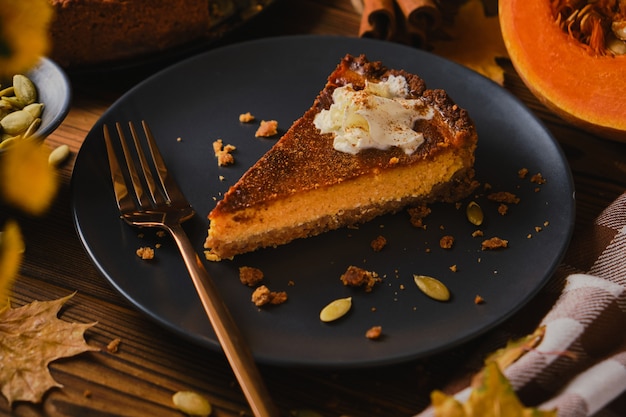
x,y
475,41
516,349
27,181
32,337
24,35
492,396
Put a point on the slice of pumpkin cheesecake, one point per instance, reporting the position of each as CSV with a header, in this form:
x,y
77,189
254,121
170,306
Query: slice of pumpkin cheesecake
x,y
374,141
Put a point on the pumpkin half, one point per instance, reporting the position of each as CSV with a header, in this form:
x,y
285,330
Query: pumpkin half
x,y
572,57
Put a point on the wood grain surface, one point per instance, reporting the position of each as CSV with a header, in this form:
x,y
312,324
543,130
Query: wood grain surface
x,y
153,363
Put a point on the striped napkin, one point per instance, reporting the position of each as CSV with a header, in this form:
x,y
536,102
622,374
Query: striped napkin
x,y
579,367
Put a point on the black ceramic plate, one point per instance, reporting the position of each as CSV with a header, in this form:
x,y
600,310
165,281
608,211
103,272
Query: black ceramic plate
x,y
199,101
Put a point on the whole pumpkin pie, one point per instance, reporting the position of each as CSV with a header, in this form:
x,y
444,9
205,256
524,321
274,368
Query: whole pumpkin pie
x,y
374,141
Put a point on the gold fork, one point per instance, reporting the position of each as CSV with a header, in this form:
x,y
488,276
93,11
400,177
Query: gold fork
x,y
163,205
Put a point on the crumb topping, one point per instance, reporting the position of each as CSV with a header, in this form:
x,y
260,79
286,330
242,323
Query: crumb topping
x,y
379,243
494,243
359,277
250,276
263,296
223,153
246,117
267,128
145,252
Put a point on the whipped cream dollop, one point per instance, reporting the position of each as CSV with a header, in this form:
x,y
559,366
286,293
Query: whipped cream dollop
x,y
379,116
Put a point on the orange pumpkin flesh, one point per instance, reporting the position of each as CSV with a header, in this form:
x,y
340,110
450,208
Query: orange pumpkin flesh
x,y
586,89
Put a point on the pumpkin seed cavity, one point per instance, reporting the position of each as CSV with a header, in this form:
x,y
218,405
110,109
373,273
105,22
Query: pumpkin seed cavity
x,y
599,25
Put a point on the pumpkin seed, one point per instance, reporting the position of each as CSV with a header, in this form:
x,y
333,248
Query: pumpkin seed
x,y
34,108
432,287
336,309
617,46
6,142
474,213
59,155
13,101
16,122
32,128
9,91
24,88
192,403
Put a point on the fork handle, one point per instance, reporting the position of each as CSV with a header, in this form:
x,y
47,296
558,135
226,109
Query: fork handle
x,y
228,334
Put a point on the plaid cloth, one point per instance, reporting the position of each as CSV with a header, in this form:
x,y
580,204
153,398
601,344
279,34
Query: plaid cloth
x,y
580,364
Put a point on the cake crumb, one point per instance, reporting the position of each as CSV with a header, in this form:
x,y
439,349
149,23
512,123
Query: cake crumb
x,y
503,209
267,128
479,300
522,173
446,242
454,268
263,296
417,215
494,243
374,332
504,197
223,153
246,117
212,256
394,160
358,277
250,276
477,233
145,252
538,179
114,345
379,243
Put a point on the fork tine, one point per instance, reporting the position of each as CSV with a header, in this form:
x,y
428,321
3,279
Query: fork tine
x,y
142,198
124,201
169,186
156,195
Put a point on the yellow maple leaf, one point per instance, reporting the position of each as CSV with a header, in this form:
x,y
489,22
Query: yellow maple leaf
x,y
492,396
515,349
23,34
32,337
475,41
11,250
27,180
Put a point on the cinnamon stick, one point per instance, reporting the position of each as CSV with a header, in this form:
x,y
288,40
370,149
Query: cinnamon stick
x,y
421,17
378,19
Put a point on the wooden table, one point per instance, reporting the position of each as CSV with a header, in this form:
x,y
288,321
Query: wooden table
x,y
153,363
